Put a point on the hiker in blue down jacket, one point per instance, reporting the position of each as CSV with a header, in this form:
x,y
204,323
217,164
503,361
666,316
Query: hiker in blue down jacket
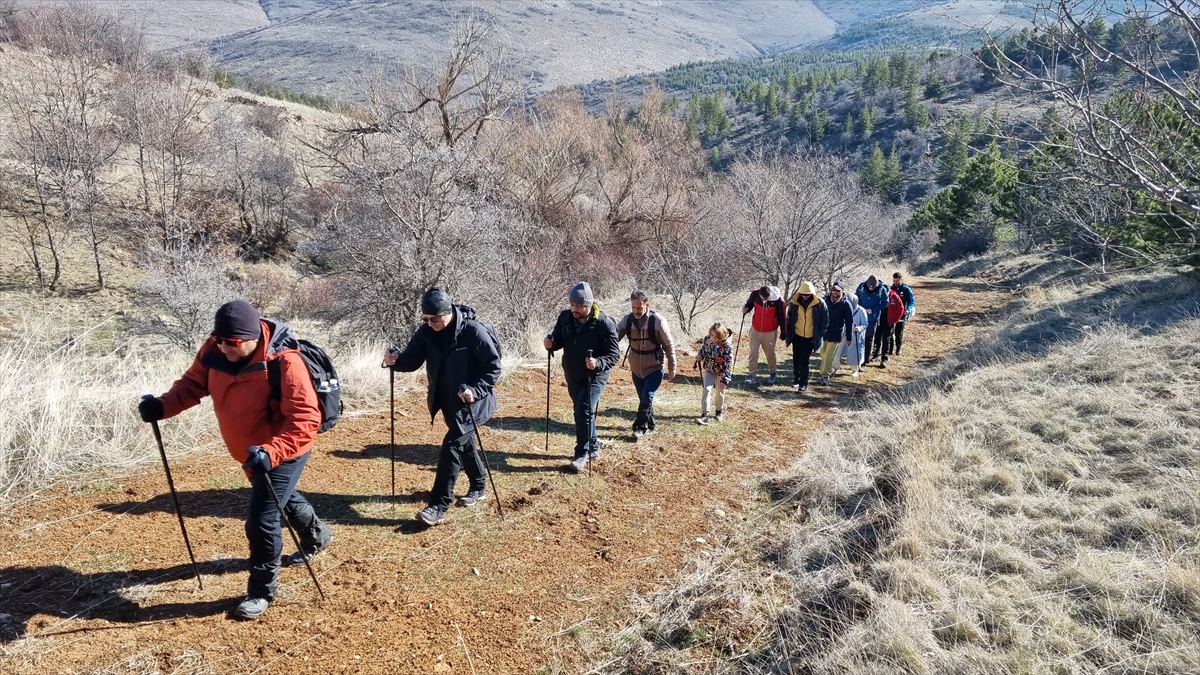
x,y
873,298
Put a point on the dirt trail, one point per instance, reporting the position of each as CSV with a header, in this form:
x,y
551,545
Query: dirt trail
x,y
99,580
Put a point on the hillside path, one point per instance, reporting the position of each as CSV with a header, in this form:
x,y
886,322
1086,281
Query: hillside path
x,y
97,580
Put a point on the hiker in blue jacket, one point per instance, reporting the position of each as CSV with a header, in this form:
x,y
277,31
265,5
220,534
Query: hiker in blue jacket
x,y
873,298
910,308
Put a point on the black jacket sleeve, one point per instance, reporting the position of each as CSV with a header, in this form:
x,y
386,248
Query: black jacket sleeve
x,y
487,361
750,301
413,356
556,333
781,314
609,354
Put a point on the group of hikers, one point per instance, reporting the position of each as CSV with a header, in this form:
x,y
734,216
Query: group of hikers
x,y
269,411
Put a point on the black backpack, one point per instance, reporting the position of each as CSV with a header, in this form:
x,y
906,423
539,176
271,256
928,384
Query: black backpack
x,y
491,331
324,379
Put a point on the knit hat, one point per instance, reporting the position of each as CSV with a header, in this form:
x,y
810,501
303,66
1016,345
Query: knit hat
x,y
435,302
872,282
807,288
238,319
581,294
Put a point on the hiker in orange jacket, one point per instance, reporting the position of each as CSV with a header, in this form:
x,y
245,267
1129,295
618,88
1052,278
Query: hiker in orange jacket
x,y
269,433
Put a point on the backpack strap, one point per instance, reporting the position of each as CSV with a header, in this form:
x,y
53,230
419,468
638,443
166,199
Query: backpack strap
x,y
652,336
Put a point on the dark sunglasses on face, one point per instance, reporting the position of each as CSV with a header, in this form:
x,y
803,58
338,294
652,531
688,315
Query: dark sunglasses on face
x,y
435,319
228,342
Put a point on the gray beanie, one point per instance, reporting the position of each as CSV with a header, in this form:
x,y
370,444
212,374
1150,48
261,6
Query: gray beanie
x,y
581,294
435,302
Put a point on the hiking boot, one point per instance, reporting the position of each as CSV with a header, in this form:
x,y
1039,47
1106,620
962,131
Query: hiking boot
x,y
251,608
637,434
703,419
593,455
472,497
824,380
720,415
751,381
432,515
855,373
301,557
771,379
578,464
801,388
883,364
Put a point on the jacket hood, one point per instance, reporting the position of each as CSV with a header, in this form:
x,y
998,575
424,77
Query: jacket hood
x,y
464,313
775,294
282,337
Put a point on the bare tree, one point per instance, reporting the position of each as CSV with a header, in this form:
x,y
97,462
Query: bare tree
x,y
181,289
1127,97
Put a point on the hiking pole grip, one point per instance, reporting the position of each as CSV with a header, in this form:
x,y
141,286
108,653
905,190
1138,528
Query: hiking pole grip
x,y
486,464
295,540
162,454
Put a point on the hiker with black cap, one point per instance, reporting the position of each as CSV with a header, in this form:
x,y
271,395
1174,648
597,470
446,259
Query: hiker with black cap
x,y
839,330
270,433
588,338
873,298
462,366
649,344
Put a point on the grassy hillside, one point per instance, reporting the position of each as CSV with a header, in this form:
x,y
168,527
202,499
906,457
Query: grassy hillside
x,y
1029,506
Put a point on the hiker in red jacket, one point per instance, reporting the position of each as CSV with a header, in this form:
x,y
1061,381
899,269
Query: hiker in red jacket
x,y
770,318
892,315
269,433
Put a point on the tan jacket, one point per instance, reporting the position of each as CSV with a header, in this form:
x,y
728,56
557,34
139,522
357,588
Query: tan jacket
x,y
644,357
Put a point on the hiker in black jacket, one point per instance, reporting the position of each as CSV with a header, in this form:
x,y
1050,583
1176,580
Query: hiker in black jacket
x,y
581,329
462,366
839,329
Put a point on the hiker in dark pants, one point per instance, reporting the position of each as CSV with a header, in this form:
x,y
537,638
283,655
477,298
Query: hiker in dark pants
x,y
270,433
581,329
649,343
910,308
806,319
873,298
462,366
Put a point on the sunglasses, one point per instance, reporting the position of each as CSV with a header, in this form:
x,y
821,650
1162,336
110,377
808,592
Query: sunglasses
x,y
440,318
228,342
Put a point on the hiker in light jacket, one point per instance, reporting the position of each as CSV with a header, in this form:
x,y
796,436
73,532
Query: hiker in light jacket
x,y
650,344
770,316
839,330
716,359
873,298
578,330
806,320
856,350
462,367
270,434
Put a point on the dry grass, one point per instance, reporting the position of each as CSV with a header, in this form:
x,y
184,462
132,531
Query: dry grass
x,y
1032,508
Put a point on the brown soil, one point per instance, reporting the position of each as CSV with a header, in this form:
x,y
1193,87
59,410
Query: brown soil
x,y
98,579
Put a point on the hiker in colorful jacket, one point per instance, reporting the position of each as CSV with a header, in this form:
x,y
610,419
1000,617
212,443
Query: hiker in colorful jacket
x,y
581,329
770,316
649,344
270,433
855,352
806,321
873,298
462,366
910,308
716,359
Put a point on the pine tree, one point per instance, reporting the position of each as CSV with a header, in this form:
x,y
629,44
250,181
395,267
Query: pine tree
x,y
796,118
916,115
848,125
935,88
892,183
872,173
866,121
953,160
816,126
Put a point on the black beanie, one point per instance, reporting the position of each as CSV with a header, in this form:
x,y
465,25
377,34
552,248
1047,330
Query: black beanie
x,y
238,319
435,302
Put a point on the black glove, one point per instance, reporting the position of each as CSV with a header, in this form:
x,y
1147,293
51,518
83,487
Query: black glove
x,y
258,462
150,408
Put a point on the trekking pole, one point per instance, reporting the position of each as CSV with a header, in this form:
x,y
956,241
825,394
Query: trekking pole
x,y
295,540
392,407
486,464
549,355
162,453
591,385
736,347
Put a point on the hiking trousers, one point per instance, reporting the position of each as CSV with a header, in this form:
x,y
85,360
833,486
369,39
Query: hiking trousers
x,y
831,353
883,342
264,531
586,396
711,392
766,340
459,453
898,336
802,350
646,388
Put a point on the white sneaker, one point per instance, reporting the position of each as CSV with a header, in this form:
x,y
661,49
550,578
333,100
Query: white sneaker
x,y
702,420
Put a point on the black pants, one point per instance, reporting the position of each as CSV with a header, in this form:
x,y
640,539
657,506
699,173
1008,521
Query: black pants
x,y
264,531
883,342
802,349
898,339
586,396
458,454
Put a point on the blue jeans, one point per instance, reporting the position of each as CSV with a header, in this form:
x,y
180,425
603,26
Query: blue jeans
x,y
264,529
586,396
646,388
